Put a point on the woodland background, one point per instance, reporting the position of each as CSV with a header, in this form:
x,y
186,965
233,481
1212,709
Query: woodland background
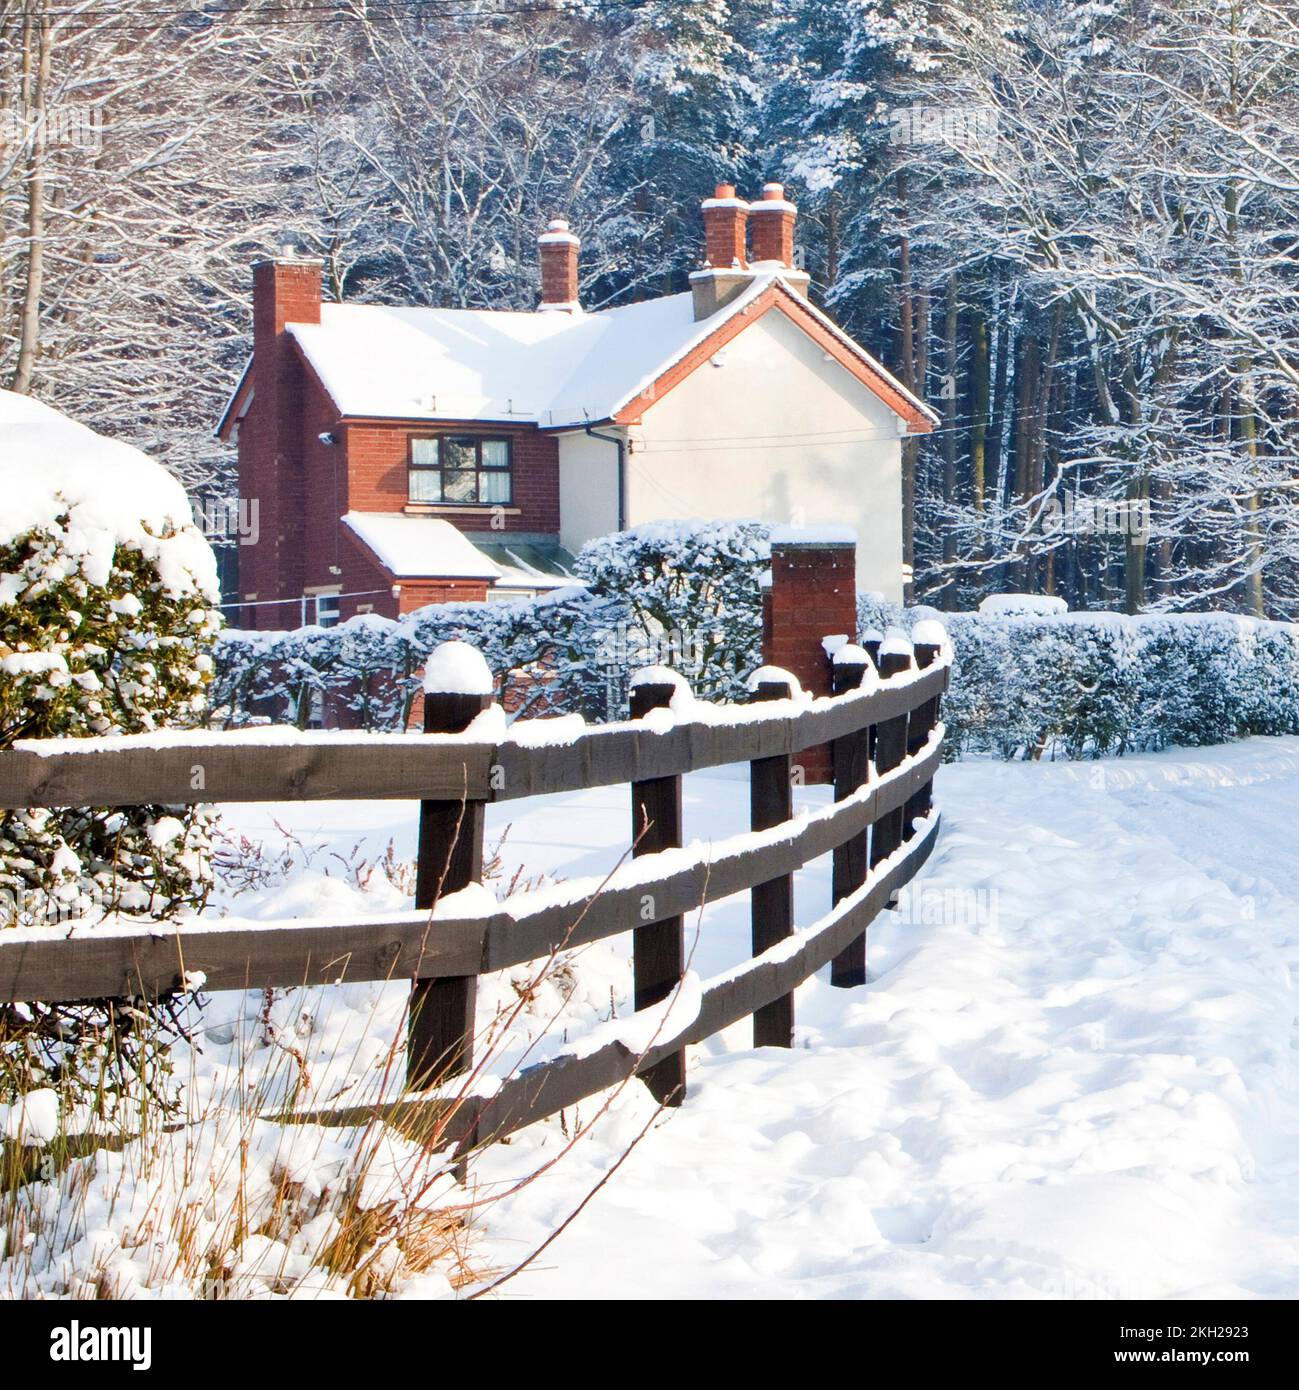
x,y
1070,226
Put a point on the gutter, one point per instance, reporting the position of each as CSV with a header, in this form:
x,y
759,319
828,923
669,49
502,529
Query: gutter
x,y
621,444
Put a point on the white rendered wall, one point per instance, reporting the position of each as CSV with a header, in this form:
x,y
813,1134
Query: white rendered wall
x,y
777,431
588,487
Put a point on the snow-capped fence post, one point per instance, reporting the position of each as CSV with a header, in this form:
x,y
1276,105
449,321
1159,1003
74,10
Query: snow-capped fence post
x,y
850,760
929,636
440,1033
658,944
771,904
890,748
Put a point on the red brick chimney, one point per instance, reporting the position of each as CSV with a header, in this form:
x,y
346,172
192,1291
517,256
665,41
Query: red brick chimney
x,y
726,265
725,222
285,290
771,222
773,226
558,248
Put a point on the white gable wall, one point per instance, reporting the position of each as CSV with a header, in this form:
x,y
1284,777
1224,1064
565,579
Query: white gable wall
x,y
588,487
728,442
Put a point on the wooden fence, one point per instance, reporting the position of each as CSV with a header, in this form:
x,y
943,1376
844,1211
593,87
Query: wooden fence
x,y
886,746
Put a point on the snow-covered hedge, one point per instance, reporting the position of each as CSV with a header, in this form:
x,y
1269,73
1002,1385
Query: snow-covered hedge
x,y
1028,677
683,594
1082,685
368,665
692,588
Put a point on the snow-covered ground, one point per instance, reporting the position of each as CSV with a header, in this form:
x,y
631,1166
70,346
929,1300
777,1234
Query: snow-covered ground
x,y
1073,1072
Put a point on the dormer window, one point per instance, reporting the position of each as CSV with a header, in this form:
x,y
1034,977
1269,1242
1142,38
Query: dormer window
x,y
460,470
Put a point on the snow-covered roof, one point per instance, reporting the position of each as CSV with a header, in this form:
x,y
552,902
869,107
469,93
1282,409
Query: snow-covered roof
x,y
552,370
529,565
427,547
420,547
110,493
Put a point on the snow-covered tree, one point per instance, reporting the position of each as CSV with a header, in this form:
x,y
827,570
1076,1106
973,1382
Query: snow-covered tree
x,y
1126,265
106,594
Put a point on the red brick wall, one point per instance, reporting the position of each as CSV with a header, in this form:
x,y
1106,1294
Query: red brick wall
x,y
377,454
419,594
302,487
362,575
813,595
324,490
270,454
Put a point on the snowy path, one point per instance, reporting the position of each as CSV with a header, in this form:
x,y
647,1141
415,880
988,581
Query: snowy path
x,y
1080,1083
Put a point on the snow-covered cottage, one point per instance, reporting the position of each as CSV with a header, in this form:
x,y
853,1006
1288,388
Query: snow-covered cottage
x,y
405,456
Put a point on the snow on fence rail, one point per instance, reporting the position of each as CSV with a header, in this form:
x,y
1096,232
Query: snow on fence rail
x,y
886,741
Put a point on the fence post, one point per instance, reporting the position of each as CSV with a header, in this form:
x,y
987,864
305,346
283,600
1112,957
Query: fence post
x,y
771,904
850,759
871,640
928,637
658,947
440,1030
890,749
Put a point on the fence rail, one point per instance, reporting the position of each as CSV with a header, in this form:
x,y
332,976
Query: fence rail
x,y
283,764
886,744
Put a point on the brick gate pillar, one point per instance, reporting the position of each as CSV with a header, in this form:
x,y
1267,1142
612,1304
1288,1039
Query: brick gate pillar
x,y
812,595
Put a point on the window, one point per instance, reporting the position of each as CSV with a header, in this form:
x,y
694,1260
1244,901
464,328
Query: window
x,y
320,608
327,610
460,469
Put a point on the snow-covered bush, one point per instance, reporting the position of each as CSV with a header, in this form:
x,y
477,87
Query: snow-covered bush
x,y
106,616
1193,676
558,638
1028,681
693,591
1269,693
